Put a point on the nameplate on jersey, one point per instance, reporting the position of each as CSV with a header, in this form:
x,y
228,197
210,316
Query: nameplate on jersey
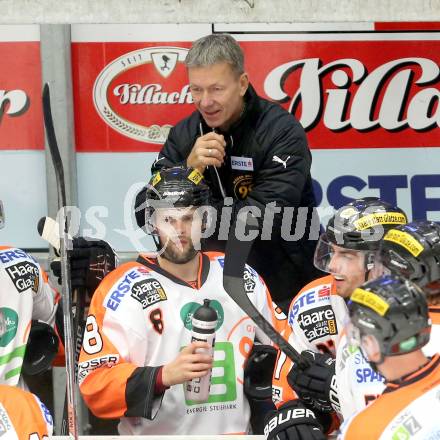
x,y
242,163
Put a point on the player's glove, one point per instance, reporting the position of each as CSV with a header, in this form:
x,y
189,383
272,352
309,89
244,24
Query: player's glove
x,y
90,261
316,384
258,372
293,421
41,348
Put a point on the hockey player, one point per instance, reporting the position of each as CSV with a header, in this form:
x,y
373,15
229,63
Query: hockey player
x,y
25,295
412,251
23,415
137,354
347,251
390,323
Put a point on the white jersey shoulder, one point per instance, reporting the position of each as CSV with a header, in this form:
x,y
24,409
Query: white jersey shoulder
x,y
317,317
25,295
358,383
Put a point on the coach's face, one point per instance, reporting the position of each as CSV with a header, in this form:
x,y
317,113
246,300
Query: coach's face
x,y
218,93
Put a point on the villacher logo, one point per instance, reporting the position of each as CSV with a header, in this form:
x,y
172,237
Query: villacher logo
x,y
129,92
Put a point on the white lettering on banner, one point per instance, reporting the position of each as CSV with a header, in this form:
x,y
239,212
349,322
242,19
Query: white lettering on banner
x,y
164,60
345,108
18,102
151,94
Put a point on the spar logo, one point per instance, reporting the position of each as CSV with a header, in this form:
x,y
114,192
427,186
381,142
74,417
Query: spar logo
x,y
143,93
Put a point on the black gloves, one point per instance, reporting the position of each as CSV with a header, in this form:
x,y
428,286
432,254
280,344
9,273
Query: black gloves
x,y
90,261
293,421
316,384
258,372
41,348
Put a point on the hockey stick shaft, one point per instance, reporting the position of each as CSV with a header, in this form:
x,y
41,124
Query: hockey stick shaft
x,y
49,230
236,255
65,265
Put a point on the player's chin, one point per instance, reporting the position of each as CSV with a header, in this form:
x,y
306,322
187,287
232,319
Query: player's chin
x,y
344,291
180,256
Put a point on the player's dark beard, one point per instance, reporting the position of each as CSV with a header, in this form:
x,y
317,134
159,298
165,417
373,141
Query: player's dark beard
x,y
178,257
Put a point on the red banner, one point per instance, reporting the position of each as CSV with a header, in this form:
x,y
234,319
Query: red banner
x,y
21,118
347,94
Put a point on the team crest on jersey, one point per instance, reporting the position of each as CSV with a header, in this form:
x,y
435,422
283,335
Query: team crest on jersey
x,y
148,292
318,322
24,275
8,325
187,312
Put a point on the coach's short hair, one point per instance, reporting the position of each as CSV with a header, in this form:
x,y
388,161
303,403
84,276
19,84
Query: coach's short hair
x,y
216,48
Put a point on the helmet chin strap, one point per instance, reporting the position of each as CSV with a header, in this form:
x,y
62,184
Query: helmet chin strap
x,y
369,264
374,365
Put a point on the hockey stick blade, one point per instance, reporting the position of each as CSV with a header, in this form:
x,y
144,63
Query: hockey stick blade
x,y
49,230
236,255
72,428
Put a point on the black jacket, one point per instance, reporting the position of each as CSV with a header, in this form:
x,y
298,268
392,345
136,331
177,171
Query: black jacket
x,y
267,160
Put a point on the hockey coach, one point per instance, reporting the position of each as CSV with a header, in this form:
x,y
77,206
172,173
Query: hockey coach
x,y
251,152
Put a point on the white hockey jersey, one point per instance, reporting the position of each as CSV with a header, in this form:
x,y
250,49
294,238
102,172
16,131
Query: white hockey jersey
x,y
23,416
407,409
315,321
25,294
139,319
358,383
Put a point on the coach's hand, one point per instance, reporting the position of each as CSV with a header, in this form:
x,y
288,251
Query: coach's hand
x,y
209,149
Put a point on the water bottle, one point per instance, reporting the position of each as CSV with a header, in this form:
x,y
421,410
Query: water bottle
x,y
204,322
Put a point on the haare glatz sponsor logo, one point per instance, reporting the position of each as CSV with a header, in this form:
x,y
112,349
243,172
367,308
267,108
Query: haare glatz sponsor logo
x,y
346,106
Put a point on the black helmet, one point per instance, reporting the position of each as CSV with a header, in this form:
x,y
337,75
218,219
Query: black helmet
x,y
359,225
170,187
394,311
413,251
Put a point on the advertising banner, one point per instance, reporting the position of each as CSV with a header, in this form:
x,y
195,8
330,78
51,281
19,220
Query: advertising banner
x,y
20,89
368,100
367,95
22,159
351,92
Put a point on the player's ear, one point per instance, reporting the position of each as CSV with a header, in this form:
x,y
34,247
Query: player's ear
x,y
371,348
244,83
